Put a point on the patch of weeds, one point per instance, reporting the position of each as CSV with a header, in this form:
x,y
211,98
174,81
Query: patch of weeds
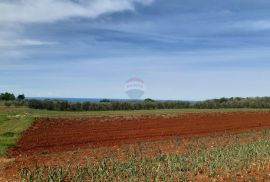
x,y
8,134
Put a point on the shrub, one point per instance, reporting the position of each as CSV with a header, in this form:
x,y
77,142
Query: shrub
x,y
18,103
35,104
8,104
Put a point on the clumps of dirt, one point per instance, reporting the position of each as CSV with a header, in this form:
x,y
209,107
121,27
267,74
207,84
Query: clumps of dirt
x,y
4,164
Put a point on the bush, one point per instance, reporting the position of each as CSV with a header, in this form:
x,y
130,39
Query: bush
x,y
35,104
19,103
8,104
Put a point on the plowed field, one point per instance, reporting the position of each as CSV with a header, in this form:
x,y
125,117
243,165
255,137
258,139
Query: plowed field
x,y
58,134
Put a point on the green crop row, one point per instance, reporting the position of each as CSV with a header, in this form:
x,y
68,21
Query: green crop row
x,y
212,162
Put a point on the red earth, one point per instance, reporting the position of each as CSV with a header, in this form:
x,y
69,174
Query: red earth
x,y
62,134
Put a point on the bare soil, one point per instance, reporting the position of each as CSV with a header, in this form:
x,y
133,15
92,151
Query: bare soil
x,y
61,141
56,135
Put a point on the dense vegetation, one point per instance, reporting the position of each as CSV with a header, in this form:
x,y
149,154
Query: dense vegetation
x,y
10,99
234,102
102,106
147,104
262,102
7,96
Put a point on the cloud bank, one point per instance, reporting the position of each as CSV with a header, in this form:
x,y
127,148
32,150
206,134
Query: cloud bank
x,y
35,11
15,14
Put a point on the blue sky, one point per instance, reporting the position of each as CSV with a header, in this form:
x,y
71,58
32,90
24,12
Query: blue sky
x,y
182,49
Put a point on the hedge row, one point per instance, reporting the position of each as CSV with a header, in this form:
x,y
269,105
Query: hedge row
x,y
237,102
104,106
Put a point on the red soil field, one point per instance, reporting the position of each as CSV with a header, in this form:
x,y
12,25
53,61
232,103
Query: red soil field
x,y
62,134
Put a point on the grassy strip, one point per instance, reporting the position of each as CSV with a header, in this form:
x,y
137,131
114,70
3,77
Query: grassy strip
x,y
163,167
11,126
46,113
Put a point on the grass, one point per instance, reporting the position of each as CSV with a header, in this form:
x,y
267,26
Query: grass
x,y
11,126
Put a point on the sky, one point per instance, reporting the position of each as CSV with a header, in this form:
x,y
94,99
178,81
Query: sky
x,y
182,49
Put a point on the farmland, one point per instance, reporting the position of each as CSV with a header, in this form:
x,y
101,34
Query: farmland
x,y
153,145
134,91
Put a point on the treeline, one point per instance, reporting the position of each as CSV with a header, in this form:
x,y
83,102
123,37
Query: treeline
x,y
11,97
235,102
104,106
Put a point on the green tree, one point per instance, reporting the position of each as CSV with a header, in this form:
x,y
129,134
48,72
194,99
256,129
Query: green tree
x,y
105,100
7,96
21,97
148,100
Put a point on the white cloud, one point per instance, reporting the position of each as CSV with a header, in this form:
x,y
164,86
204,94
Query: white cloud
x,y
24,42
253,25
33,11
10,37
15,13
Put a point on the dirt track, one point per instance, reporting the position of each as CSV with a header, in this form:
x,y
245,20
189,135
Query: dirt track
x,y
65,134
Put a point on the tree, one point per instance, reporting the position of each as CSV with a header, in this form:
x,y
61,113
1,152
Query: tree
x,y
148,100
105,100
21,97
7,96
